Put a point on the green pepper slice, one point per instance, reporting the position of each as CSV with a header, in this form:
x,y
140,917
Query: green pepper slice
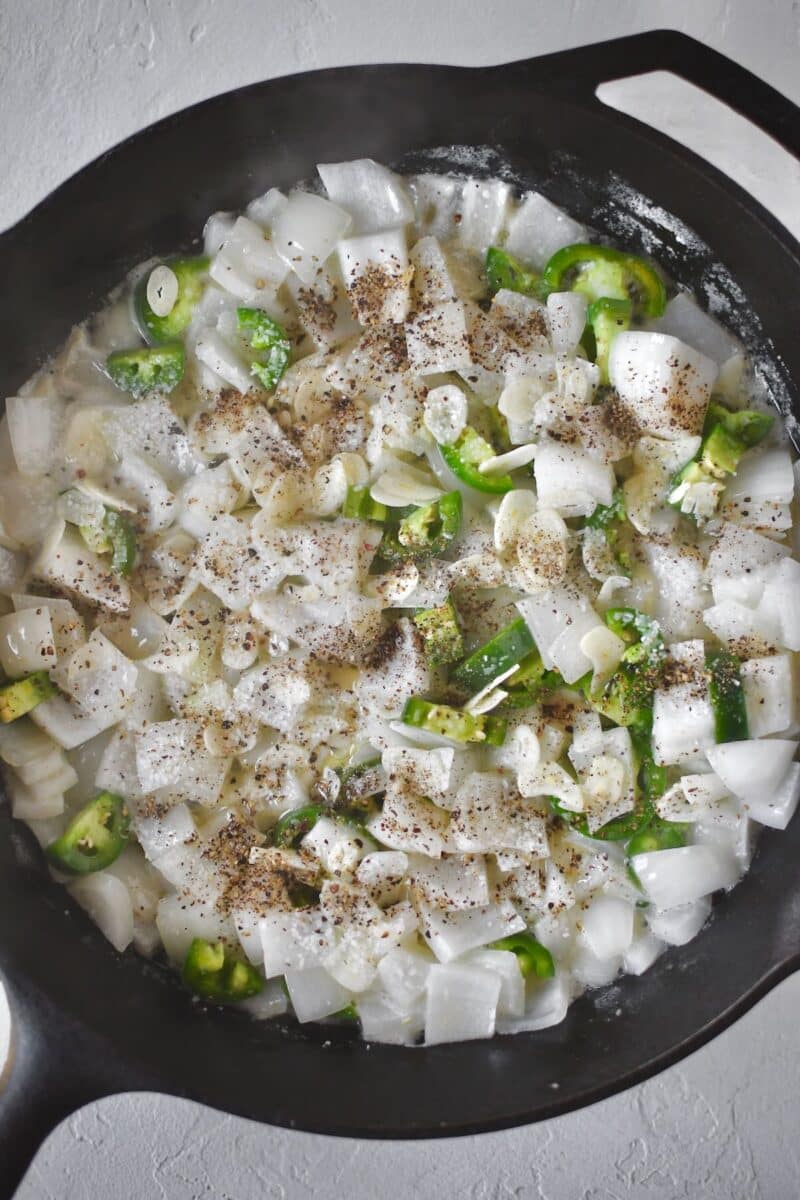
x,y
290,829
441,633
506,649
651,782
601,271
215,974
605,516
348,1014
359,505
533,958
657,835
359,782
727,696
190,273
611,520
504,271
424,532
149,369
640,632
726,437
122,537
530,682
270,338
21,695
454,723
607,318
464,458
94,838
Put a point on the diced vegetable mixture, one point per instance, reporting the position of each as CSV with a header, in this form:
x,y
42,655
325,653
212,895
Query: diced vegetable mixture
x,y
399,618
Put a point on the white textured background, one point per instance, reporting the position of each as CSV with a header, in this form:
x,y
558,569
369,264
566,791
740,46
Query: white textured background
x,y
77,77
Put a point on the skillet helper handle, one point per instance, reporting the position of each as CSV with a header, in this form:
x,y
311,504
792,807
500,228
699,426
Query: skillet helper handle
x,y
581,71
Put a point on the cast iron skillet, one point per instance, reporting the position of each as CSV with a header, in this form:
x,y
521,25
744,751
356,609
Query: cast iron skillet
x,y
91,1022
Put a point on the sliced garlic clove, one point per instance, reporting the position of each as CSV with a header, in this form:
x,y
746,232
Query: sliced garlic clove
x,y
542,550
516,508
604,650
512,460
162,290
404,485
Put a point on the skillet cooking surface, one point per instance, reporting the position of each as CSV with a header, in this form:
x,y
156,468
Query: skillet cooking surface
x,y
91,1022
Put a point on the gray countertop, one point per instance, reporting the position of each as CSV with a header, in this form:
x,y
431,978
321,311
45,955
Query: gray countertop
x,y
74,80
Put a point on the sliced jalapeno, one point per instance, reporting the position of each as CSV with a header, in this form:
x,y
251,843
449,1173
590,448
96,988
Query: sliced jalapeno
x,y
532,956
424,532
454,723
268,337
601,271
22,695
464,459
292,827
215,974
94,838
441,633
190,275
149,369
505,650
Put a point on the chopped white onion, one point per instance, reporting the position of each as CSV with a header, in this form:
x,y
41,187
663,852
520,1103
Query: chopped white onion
x,y
461,1003
445,413
680,876
306,231
677,926
374,197
664,382
107,901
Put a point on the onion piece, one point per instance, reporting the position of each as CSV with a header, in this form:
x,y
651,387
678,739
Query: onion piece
x,y
546,1004
607,926
449,935
374,196
571,480
768,694
673,877
677,926
461,1003
107,901
776,807
752,769
538,228
26,642
445,413
683,318
566,317
664,382
35,427
306,231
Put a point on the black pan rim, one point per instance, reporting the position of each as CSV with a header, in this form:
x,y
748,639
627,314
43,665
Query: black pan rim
x,y
783,965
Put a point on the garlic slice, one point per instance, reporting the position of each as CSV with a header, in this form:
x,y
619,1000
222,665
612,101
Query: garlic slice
x,y
404,485
604,650
162,290
550,779
512,460
515,509
542,550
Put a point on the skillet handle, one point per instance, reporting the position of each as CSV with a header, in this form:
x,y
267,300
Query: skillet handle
x,y
580,72
53,1069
